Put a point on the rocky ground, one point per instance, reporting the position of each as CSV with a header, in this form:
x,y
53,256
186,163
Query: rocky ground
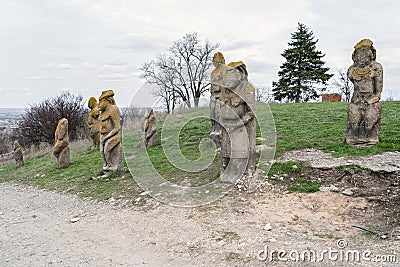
x,y
354,214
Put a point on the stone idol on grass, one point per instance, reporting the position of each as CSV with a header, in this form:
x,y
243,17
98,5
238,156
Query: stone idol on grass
x,y
150,135
94,121
61,146
110,127
236,117
18,156
364,112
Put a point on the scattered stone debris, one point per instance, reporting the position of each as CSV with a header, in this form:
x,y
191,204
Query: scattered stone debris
x,y
267,227
75,219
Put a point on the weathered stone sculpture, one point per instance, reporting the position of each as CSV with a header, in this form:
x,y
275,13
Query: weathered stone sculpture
x,y
94,121
150,135
217,75
18,156
110,126
364,112
61,146
237,118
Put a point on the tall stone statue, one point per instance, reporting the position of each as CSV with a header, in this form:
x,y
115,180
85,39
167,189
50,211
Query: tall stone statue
x,y
217,75
110,126
94,121
150,135
61,146
364,112
237,119
18,156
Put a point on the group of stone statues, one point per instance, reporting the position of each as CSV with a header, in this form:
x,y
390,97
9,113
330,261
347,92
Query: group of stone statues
x,y
105,126
232,114
232,109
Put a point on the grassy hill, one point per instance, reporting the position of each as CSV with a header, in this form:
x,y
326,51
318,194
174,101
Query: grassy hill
x,y
311,125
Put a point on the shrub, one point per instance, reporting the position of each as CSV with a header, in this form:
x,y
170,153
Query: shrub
x,y
40,120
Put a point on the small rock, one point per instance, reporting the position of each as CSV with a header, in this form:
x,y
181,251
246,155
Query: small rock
x,y
294,167
347,192
267,227
75,219
330,188
385,236
138,199
272,240
34,216
144,193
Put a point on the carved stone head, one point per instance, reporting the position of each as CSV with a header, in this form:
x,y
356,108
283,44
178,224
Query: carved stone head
x,y
364,53
16,145
218,59
106,98
92,102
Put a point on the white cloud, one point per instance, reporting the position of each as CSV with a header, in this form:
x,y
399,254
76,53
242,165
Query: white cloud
x,y
113,76
65,66
84,45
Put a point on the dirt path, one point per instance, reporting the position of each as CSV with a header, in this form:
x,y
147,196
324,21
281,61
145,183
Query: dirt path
x,y
41,228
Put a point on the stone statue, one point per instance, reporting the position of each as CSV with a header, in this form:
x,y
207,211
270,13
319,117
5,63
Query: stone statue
x,y
217,75
18,156
237,118
150,135
364,112
94,121
110,126
61,146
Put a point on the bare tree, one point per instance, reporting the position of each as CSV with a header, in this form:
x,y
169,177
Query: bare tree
x,y
264,94
182,73
343,83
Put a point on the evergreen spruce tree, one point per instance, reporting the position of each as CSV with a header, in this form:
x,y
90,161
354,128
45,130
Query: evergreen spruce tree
x,y
302,76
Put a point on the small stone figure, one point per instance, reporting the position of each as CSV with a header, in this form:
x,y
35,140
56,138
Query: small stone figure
x,y
237,118
150,135
110,126
18,156
217,75
61,146
364,112
94,121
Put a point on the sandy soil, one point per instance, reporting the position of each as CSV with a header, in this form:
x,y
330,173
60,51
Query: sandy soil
x,y
42,228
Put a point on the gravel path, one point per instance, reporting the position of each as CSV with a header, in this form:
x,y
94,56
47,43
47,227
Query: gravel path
x,y
42,228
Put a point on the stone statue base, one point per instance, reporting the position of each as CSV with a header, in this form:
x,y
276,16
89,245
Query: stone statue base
x,y
363,124
64,158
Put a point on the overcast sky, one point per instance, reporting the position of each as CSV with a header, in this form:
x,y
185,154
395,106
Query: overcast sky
x,y
87,46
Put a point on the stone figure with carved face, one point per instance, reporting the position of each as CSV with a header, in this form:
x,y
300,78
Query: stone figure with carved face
x,y
94,121
110,126
61,146
237,120
364,112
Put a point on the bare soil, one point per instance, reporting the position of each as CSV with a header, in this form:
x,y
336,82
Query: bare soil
x,y
42,228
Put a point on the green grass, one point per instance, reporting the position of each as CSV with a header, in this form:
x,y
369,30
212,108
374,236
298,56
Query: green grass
x,y
323,126
81,177
285,167
304,185
307,125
